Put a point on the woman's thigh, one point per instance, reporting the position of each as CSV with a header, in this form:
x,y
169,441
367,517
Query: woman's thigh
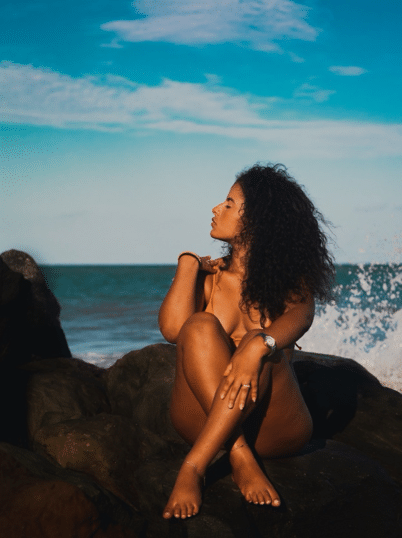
x,y
203,353
281,425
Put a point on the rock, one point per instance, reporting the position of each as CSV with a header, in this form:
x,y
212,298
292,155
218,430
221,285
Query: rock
x,y
38,500
133,451
41,331
350,405
139,386
29,327
63,389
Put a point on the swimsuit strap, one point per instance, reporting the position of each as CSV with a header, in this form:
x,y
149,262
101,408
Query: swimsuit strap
x,y
210,302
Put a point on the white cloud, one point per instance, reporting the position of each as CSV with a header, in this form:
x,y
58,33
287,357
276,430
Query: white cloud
x,y
313,92
256,22
36,96
40,97
296,59
348,71
114,44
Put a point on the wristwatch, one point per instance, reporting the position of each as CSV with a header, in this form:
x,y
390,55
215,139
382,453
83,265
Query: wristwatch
x,y
269,342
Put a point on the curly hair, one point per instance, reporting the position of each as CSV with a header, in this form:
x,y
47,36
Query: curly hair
x,y
286,256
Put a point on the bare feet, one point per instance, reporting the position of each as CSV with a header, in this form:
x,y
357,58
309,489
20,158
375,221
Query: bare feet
x,y
250,479
185,499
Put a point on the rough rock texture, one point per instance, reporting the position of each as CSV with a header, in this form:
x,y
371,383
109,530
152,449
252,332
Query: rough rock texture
x,y
40,500
103,455
38,328
29,327
133,451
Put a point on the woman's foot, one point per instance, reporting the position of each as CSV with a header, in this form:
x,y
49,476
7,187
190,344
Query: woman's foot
x,y
250,479
185,499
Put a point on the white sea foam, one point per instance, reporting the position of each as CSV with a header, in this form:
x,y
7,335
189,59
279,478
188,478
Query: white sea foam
x,y
104,361
365,326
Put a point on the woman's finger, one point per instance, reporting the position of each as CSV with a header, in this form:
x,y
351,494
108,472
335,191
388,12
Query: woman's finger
x,y
208,265
228,369
226,387
244,390
233,395
254,390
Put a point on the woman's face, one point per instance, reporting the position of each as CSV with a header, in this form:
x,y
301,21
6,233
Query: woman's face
x,y
226,223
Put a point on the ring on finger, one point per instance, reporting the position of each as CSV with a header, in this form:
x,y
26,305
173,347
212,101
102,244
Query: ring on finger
x,y
245,385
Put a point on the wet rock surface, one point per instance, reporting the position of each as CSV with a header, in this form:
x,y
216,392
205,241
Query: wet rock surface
x,y
91,452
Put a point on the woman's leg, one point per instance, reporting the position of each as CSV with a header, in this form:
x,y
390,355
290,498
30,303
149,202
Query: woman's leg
x,y
204,350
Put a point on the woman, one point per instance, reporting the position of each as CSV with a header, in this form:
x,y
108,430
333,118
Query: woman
x,y
235,322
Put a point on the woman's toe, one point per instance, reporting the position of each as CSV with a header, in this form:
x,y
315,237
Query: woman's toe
x,y
190,510
275,498
177,511
260,498
267,497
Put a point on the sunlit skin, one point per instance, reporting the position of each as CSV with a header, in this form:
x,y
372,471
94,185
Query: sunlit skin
x,y
225,383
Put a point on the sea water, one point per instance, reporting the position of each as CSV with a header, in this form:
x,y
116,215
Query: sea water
x,y
110,310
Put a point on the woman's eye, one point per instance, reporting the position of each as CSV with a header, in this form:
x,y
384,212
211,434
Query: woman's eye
x,y
228,206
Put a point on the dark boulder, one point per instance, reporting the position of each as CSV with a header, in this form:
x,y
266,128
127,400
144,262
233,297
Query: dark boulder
x,y
37,326
41,500
29,328
63,389
334,488
348,404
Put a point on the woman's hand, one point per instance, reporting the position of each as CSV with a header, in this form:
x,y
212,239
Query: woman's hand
x,y
242,374
208,265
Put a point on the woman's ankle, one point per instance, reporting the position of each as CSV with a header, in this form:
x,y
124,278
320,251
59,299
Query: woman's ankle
x,y
240,452
195,467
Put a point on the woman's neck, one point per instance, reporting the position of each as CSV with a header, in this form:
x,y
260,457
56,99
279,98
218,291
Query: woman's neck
x,y
237,262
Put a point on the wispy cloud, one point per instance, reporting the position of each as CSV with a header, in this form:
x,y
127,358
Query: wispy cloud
x,y
37,96
257,22
40,97
314,93
296,59
348,70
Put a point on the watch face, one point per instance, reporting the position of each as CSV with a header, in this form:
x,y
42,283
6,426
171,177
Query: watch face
x,y
270,341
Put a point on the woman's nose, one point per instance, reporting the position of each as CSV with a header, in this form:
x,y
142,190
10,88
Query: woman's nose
x,y
216,209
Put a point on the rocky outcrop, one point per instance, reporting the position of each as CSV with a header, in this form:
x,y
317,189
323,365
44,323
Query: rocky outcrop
x,y
101,455
41,500
132,450
29,328
32,310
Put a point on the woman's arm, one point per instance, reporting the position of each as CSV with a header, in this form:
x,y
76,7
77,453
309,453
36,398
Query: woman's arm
x,y
291,325
248,359
184,297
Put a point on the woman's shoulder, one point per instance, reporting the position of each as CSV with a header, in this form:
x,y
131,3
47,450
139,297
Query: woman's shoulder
x,y
209,280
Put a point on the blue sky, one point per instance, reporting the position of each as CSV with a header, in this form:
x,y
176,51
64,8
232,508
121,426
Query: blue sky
x,y
123,123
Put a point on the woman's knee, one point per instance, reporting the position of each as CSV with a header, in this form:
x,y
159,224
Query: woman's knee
x,y
200,326
200,323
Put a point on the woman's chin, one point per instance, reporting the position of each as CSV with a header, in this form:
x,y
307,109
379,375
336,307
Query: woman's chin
x,y
217,237
214,235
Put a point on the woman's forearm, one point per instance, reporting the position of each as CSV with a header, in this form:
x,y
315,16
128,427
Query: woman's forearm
x,y
291,326
180,301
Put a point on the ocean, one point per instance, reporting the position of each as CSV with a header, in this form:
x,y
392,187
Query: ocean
x,y
110,310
